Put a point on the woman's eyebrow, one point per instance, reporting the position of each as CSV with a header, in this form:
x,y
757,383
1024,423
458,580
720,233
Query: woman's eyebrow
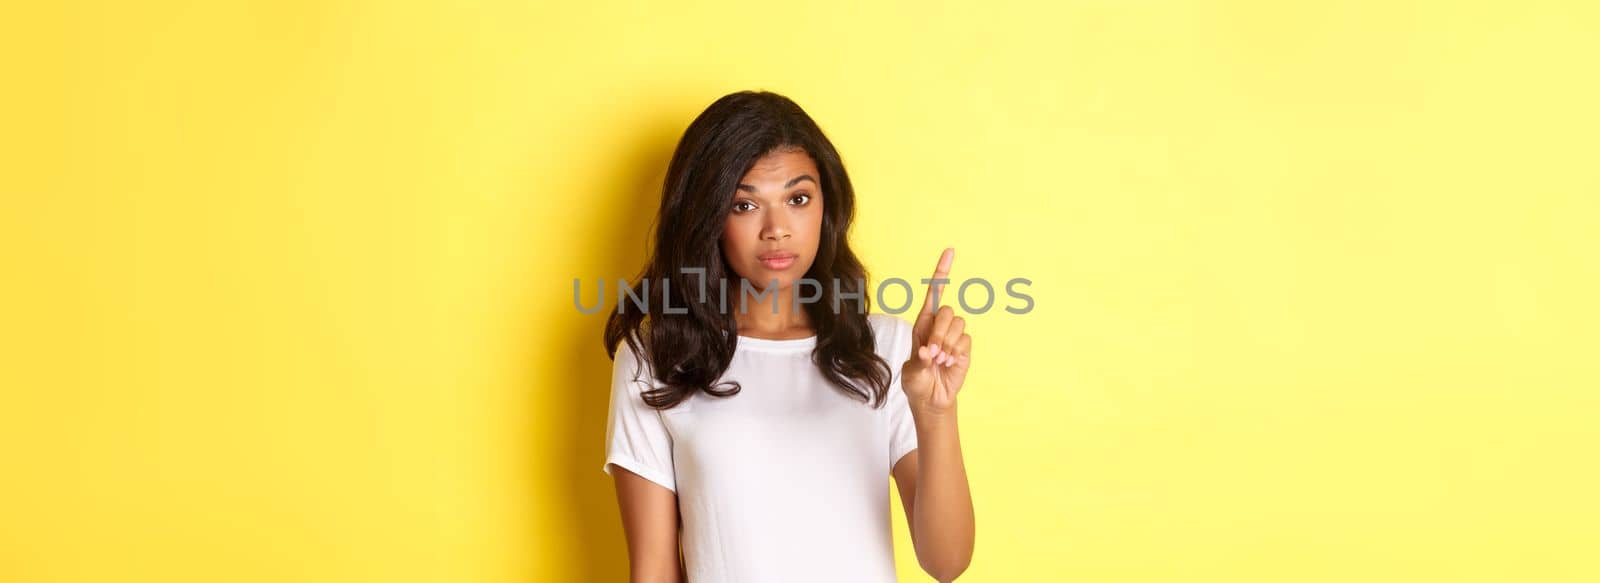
x,y
791,183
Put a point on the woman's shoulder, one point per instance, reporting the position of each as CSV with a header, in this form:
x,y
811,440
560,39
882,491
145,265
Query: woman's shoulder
x,y
889,331
888,322
631,361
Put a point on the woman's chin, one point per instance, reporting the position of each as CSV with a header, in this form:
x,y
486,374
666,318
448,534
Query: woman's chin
x,y
765,280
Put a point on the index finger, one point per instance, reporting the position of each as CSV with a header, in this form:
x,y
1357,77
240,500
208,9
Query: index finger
x,y
941,276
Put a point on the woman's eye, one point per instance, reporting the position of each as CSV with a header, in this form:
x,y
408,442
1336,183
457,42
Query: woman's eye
x,y
740,206
802,197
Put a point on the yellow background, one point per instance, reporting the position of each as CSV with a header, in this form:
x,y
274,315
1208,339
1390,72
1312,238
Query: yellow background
x,y
288,285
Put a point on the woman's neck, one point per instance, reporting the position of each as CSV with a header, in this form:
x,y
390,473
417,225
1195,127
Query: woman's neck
x,y
774,316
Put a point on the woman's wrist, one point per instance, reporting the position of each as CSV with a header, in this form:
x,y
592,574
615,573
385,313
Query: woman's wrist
x,y
928,416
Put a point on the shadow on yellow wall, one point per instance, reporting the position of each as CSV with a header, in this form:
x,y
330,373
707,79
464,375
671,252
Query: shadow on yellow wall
x,y
623,239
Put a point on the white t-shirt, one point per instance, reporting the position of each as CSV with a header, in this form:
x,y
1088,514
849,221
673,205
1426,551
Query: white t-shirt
x,y
788,480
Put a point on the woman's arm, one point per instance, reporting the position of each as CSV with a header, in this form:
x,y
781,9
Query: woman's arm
x,y
933,478
650,522
932,481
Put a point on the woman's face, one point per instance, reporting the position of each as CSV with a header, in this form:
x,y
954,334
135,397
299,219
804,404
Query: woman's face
x,y
776,220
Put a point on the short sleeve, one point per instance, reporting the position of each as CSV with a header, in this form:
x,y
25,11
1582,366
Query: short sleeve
x,y
902,427
636,437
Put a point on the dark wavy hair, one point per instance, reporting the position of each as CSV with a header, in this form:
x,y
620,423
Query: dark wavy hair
x,y
690,351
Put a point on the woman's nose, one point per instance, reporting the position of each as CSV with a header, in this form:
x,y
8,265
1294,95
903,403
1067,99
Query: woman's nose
x,y
775,230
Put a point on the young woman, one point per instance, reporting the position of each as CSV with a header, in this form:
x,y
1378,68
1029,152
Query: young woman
x,y
756,419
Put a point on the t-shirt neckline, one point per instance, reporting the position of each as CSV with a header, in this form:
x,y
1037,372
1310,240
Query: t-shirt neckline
x,y
769,344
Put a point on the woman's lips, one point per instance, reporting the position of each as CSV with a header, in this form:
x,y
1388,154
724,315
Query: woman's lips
x,y
777,262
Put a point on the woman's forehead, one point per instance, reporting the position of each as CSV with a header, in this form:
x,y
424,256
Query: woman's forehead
x,y
779,171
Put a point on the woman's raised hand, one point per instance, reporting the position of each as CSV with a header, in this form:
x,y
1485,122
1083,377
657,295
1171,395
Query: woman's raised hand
x,y
941,350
